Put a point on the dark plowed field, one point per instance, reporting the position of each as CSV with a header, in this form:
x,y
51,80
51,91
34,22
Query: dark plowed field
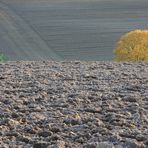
x,y
73,105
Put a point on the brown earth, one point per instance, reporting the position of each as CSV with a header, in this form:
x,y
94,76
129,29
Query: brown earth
x,y
73,104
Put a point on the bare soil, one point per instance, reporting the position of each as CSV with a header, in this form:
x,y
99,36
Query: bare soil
x,y
73,104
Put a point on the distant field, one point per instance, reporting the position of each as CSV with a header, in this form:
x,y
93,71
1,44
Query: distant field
x,y
67,29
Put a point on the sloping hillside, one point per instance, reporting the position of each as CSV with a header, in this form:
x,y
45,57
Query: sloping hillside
x,y
67,29
74,104
19,41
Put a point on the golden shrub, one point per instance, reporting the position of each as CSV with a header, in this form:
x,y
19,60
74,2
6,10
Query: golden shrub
x,y
132,46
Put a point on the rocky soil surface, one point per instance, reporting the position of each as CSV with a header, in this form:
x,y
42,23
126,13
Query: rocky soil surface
x,y
48,104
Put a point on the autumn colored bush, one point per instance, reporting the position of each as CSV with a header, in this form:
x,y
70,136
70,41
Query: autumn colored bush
x,y
132,46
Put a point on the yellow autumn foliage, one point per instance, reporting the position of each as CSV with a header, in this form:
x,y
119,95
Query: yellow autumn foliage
x,y
132,46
